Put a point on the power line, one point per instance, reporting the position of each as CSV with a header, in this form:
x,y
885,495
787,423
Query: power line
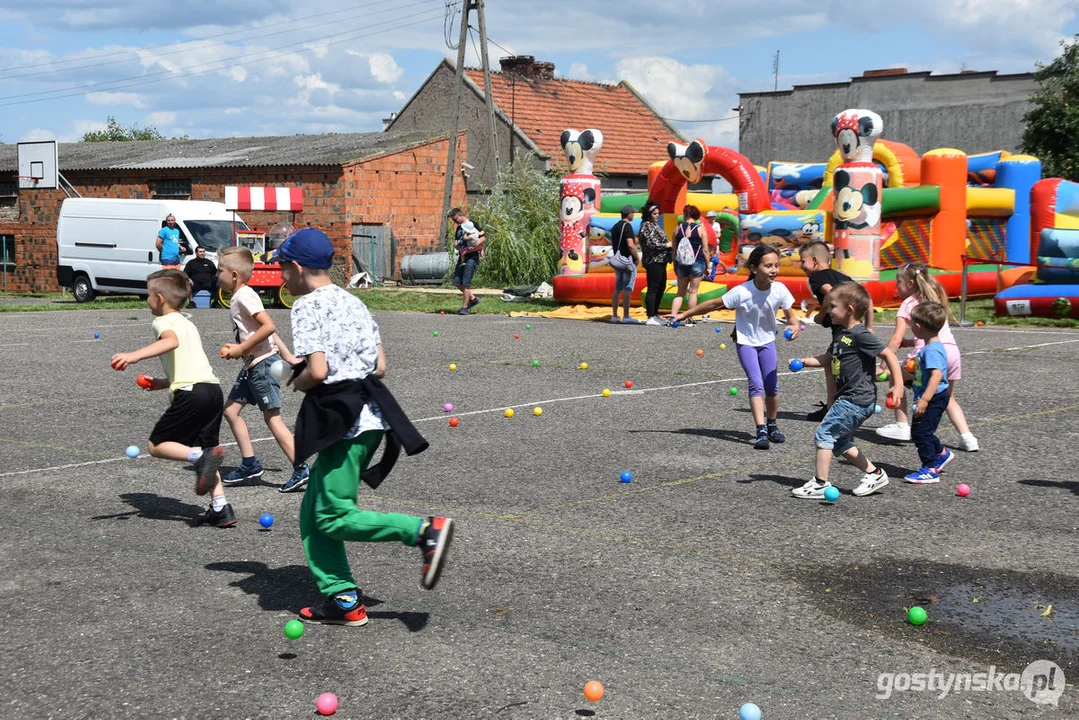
x,y
121,84
120,53
453,8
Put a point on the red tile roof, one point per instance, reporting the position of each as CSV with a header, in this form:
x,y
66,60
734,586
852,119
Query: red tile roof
x,y
634,136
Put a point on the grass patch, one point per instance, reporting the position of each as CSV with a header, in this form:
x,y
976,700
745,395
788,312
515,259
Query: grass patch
x,y
36,302
981,309
424,302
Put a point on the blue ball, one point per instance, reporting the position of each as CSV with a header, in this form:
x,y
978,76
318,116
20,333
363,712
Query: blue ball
x,y
132,451
749,711
97,336
831,493
627,476
265,520
876,409
719,329
797,364
788,333
675,323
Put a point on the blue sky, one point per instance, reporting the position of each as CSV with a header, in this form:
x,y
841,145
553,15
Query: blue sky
x,y
276,67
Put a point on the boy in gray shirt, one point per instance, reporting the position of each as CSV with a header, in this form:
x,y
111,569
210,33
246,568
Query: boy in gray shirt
x,y
851,359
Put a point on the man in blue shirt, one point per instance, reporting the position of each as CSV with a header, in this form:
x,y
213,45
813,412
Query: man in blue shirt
x,y
169,244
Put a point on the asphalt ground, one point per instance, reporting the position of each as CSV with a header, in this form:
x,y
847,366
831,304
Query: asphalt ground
x,y
697,587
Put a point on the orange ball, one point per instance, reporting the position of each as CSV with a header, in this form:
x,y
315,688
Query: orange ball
x,y
516,336
911,365
454,422
700,353
223,351
629,383
891,404
593,691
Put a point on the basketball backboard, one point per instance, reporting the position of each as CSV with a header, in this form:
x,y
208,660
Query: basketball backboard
x,y
39,168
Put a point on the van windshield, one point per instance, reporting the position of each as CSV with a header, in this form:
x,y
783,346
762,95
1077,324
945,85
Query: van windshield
x,y
213,234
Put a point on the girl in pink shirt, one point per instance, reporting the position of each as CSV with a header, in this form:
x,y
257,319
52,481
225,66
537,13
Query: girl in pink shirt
x,y
915,285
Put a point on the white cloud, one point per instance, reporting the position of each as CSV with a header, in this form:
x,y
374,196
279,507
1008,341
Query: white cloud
x,y
117,98
37,134
383,68
578,71
159,118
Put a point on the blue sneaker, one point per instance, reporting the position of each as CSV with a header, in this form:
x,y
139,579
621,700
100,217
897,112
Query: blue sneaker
x,y
298,481
943,459
925,476
242,474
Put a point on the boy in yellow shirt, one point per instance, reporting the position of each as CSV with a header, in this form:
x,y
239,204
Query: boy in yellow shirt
x,y
188,431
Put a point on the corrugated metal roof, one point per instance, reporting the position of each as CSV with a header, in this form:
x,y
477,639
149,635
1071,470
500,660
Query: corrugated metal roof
x,y
271,151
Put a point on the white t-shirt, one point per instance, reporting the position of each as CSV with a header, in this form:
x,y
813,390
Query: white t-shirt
x,y
186,364
755,311
243,308
336,323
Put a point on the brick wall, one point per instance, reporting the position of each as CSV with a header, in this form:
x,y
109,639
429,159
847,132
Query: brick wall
x,y
401,189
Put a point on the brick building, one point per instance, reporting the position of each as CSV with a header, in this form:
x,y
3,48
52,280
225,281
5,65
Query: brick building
x,y
378,196
532,108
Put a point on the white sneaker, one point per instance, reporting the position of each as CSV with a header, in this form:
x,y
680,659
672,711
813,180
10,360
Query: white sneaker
x,y
630,321
871,482
968,442
812,490
895,431
655,320
614,319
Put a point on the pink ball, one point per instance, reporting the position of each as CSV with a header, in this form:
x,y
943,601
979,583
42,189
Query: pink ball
x,y
326,704
448,407
962,490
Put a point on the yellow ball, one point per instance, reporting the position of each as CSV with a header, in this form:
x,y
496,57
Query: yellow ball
x,y
584,366
537,411
453,366
606,392
509,412
722,346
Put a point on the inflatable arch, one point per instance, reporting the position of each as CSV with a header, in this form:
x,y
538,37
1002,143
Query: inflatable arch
x,y
689,163
900,162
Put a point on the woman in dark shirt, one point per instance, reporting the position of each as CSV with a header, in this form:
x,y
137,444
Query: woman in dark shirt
x,y
655,254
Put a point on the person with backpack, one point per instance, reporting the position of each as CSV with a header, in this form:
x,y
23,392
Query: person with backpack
x,y
624,259
691,257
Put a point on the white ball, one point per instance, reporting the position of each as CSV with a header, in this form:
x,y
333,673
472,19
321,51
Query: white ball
x,y
280,370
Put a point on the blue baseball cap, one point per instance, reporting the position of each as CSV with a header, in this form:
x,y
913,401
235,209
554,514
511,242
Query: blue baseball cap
x,y
308,247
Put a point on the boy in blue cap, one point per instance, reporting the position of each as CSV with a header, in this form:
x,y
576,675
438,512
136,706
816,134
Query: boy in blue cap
x,y
345,414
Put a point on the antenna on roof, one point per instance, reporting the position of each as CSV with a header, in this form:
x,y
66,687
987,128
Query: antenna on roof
x,y
775,70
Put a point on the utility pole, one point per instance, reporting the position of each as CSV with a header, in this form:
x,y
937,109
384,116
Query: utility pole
x,y
451,154
488,96
775,69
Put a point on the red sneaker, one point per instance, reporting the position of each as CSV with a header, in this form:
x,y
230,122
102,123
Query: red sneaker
x,y
330,612
434,542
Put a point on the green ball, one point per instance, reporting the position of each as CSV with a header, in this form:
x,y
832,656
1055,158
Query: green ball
x,y
882,377
734,391
435,333
528,327
535,363
293,629
917,615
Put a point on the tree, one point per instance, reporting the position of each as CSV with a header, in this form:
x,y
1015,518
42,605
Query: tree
x,y
114,131
1052,125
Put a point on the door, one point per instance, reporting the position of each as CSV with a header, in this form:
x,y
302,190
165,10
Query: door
x,y
373,251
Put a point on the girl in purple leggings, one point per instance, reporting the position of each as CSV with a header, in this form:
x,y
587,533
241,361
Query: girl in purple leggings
x,y
756,303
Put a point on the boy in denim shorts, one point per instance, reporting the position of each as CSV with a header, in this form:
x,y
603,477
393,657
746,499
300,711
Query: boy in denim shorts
x,y
851,359
255,335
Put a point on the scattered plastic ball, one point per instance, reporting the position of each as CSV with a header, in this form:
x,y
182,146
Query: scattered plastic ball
x,y
537,411
797,364
593,691
435,333
144,381
97,336
326,704
509,412
882,377
788,334
911,365
831,493
722,346
441,312
979,324
132,451
626,476
453,366
448,407
294,629
516,336
675,323
700,353
749,711
223,351
917,615
719,329
629,383
962,490
280,370
583,366
606,392
877,409
528,327
890,403
454,422
733,391
535,363
802,327
266,521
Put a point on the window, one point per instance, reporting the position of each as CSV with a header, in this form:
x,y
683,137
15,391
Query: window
x,y
172,189
7,250
9,193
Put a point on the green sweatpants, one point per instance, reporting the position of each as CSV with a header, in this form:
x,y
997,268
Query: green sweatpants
x,y
329,516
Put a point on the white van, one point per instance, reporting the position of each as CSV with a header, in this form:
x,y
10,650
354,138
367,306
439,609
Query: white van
x,y
106,245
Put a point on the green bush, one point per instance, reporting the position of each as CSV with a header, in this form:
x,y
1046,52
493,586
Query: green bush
x,y
520,218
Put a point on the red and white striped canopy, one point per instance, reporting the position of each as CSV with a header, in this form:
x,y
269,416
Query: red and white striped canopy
x,y
264,199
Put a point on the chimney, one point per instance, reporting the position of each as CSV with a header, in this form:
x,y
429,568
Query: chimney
x,y
525,66
887,72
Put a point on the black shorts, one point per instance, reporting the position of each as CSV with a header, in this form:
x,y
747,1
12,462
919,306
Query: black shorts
x,y
193,418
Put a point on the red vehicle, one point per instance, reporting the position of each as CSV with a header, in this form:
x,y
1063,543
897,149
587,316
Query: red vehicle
x,y
266,278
